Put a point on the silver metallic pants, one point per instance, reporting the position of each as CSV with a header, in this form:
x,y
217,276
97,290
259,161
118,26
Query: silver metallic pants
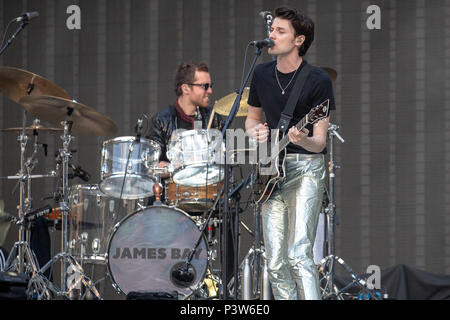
x,y
289,220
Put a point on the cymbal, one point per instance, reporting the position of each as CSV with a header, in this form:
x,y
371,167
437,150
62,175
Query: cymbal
x,y
33,128
223,105
55,110
331,72
37,127
14,84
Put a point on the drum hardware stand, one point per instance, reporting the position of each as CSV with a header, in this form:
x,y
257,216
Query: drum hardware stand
x,y
254,279
251,273
22,247
24,203
327,264
64,255
237,281
182,272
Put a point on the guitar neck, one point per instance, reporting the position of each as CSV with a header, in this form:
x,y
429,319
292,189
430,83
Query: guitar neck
x,y
285,140
317,113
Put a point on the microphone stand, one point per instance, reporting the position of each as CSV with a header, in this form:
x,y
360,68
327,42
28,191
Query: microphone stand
x,y
182,270
330,290
228,185
10,40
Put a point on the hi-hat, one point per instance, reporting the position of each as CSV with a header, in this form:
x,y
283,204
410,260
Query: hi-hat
x,y
223,105
34,127
17,83
55,110
331,72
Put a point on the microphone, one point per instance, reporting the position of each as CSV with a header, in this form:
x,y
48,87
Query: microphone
x,y
268,19
80,173
266,15
263,43
27,16
33,215
183,274
138,129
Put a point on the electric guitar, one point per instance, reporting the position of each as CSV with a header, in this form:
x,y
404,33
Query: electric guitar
x,y
265,182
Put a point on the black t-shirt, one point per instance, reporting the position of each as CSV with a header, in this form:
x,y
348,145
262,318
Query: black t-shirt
x,y
266,93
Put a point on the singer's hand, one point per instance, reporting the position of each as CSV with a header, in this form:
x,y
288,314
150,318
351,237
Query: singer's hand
x,y
296,136
259,132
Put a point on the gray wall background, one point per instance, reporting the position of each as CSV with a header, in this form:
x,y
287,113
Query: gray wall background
x,y
392,93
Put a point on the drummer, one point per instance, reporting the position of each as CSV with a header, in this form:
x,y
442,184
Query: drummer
x,y
193,89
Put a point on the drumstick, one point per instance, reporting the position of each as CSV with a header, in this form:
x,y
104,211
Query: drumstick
x,y
211,117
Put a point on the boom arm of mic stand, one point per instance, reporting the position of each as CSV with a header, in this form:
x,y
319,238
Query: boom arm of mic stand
x,y
238,98
10,40
228,182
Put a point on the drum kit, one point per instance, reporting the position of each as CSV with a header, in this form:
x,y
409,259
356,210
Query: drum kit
x,y
108,223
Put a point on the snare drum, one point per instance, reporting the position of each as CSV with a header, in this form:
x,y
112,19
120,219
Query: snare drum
x,y
192,199
196,157
147,246
127,167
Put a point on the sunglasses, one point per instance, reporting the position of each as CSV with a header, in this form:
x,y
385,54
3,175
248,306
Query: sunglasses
x,y
205,86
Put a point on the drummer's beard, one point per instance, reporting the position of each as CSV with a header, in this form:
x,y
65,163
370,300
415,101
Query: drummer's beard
x,y
203,102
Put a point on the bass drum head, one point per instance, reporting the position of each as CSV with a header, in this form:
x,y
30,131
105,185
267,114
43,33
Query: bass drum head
x,y
148,245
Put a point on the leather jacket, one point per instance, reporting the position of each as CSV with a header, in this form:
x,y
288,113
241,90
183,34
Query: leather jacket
x,y
166,121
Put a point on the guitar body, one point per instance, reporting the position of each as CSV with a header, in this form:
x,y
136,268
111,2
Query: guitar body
x,y
263,188
265,184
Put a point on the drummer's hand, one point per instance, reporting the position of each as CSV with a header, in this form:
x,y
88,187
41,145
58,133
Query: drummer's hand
x,y
164,164
259,132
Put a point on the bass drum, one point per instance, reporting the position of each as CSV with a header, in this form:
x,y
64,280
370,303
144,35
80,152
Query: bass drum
x,y
147,247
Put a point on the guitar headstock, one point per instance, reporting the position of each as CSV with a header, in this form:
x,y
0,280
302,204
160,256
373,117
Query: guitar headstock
x,y
319,112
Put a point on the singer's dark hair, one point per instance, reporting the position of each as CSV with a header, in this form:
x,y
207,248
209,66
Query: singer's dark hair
x,y
186,74
302,24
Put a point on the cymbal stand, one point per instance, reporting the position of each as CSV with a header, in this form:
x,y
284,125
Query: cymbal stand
x,y
21,250
65,154
327,264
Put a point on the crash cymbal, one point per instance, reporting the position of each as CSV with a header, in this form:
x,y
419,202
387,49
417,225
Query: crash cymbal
x,y
55,110
331,72
223,105
15,83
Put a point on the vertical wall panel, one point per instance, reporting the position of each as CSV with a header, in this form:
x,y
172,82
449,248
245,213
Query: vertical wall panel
x,y
446,165
393,225
420,135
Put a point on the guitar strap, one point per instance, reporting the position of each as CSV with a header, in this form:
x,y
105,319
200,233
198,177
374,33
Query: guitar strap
x,y
288,110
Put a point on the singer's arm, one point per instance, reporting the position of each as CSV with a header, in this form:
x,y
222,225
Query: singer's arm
x,y
254,124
